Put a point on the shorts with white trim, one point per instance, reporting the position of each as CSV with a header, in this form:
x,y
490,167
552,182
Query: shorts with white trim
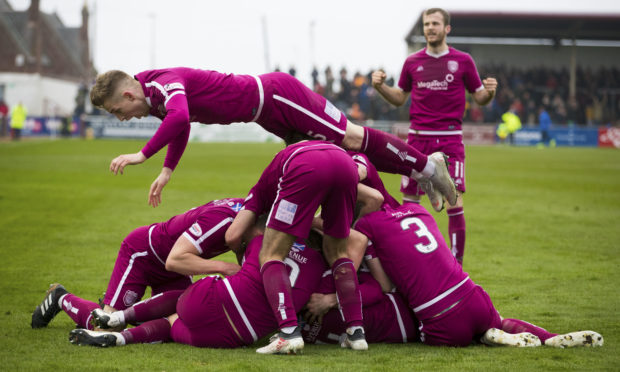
x,y
136,268
326,178
449,145
381,324
465,321
291,106
203,320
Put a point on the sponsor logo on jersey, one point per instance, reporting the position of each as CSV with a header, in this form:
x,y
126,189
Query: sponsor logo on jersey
x,y
433,85
173,86
286,211
449,78
195,229
420,68
400,214
297,257
453,66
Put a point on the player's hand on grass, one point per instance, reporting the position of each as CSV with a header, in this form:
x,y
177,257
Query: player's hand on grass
x,y
119,163
318,305
158,185
378,78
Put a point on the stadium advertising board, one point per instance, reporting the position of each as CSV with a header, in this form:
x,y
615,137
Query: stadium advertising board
x,y
609,137
110,127
39,126
472,134
478,134
571,136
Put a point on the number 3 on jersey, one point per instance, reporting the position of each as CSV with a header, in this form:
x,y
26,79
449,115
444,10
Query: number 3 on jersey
x,y
421,232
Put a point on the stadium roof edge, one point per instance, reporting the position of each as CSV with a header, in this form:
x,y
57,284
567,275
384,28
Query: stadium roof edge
x,y
503,24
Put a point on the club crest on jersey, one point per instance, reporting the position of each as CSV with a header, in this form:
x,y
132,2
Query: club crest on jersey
x,y
453,66
195,229
130,298
298,247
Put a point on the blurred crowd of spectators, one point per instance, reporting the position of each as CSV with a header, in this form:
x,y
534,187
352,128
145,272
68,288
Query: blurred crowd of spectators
x,y
526,92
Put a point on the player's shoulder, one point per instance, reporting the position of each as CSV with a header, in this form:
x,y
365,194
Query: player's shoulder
x,y
456,53
166,79
417,55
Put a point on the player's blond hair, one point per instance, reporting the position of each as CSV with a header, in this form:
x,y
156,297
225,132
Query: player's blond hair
x,y
445,14
106,85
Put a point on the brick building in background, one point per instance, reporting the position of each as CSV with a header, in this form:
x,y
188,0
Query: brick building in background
x,y
43,63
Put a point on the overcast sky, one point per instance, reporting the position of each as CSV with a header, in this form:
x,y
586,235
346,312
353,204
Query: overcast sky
x,y
135,35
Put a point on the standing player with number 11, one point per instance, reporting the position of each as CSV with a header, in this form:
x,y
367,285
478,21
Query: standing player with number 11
x,y
436,77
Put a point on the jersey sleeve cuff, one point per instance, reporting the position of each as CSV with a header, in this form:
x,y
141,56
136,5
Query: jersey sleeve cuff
x,y
193,241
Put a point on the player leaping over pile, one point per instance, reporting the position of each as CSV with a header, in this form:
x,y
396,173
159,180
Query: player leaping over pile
x,y
277,101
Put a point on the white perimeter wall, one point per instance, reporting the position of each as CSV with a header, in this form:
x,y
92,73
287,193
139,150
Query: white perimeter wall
x,y
42,96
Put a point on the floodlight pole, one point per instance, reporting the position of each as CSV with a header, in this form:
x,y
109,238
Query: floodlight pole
x,y
572,81
266,44
153,18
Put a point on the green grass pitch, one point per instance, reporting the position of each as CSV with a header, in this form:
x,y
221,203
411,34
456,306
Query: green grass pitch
x,y
543,233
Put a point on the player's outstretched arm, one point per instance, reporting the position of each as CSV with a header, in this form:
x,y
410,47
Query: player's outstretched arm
x,y
393,95
119,163
184,259
158,185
